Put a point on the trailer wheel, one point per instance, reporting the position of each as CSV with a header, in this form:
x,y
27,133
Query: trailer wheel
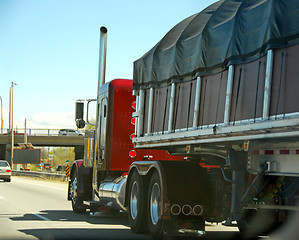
x,y
77,202
257,222
137,204
154,201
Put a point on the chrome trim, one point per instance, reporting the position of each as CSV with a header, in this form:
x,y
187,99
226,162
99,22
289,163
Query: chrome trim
x,y
197,102
224,133
139,119
102,58
175,212
112,193
195,211
136,113
268,82
186,209
229,88
192,231
134,200
150,111
155,204
171,107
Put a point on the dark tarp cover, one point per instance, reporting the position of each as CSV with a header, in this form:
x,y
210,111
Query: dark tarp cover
x,y
227,32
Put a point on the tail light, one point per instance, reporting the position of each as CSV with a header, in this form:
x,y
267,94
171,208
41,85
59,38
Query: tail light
x,y
8,170
134,105
133,121
132,136
132,153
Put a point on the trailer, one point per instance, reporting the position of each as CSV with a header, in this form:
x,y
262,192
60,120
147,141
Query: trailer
x,y
213,135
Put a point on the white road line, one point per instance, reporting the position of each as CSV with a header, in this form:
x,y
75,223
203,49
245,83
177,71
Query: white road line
x,y
36,184
42,217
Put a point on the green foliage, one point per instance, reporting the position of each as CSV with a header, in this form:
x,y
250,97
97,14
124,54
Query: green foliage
x,y
58,155
88,126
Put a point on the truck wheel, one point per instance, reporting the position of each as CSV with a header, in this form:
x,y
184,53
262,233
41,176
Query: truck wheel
x,y
137,204
257,222
154,201
77,202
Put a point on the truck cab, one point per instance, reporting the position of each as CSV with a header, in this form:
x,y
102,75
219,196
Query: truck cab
x,y
100,178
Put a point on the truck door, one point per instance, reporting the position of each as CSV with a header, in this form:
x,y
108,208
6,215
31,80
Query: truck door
x,y
100,145
103,130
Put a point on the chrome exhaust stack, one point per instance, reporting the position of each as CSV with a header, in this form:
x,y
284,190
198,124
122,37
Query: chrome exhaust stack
x,y
101,81
102,57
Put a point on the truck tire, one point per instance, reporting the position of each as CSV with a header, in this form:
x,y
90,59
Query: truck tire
x,y
77,202
154,206
257,222
137,204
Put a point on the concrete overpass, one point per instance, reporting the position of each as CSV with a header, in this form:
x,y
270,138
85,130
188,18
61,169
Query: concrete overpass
x,y
42,140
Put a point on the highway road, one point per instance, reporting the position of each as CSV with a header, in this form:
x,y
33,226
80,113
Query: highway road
x,y
37,209
32,209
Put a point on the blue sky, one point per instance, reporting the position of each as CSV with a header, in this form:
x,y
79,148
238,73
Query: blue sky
x,y
50,49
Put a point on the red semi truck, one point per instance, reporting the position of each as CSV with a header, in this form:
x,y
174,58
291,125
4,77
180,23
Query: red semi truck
x,y
210,133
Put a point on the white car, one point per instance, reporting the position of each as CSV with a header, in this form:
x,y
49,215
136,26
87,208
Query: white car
x,y
5,171
69,132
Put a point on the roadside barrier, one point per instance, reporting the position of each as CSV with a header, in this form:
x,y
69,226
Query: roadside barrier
x,y
43,175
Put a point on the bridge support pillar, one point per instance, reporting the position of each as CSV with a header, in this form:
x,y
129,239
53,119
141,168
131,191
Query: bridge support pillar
x,y
79,152
7,152
3,151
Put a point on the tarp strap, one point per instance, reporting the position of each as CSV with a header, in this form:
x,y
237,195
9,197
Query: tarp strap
x,y
176,107
189,107
165,109
238,91
280,80
219,90
204,100
257,88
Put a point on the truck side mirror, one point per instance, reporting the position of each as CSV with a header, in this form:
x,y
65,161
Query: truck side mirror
x,y
79,110
80,123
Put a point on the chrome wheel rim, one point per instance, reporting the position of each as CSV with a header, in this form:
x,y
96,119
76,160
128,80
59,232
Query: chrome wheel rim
x,y
73,190
155,203
134,200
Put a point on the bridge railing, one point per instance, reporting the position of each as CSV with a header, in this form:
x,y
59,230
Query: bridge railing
x,y
34,131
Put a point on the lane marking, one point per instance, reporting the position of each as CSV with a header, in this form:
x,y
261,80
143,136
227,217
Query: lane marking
x,y
42,217
36,184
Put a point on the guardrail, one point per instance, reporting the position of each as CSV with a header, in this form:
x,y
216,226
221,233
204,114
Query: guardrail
x,y
34,131
43,175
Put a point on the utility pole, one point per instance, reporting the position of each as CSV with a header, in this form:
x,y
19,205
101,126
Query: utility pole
x,y
11,120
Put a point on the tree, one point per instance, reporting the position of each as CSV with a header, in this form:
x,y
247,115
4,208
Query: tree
x,y
61,154
90,127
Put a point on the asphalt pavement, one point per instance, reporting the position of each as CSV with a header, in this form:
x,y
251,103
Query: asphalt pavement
x,y
35,209
38,209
